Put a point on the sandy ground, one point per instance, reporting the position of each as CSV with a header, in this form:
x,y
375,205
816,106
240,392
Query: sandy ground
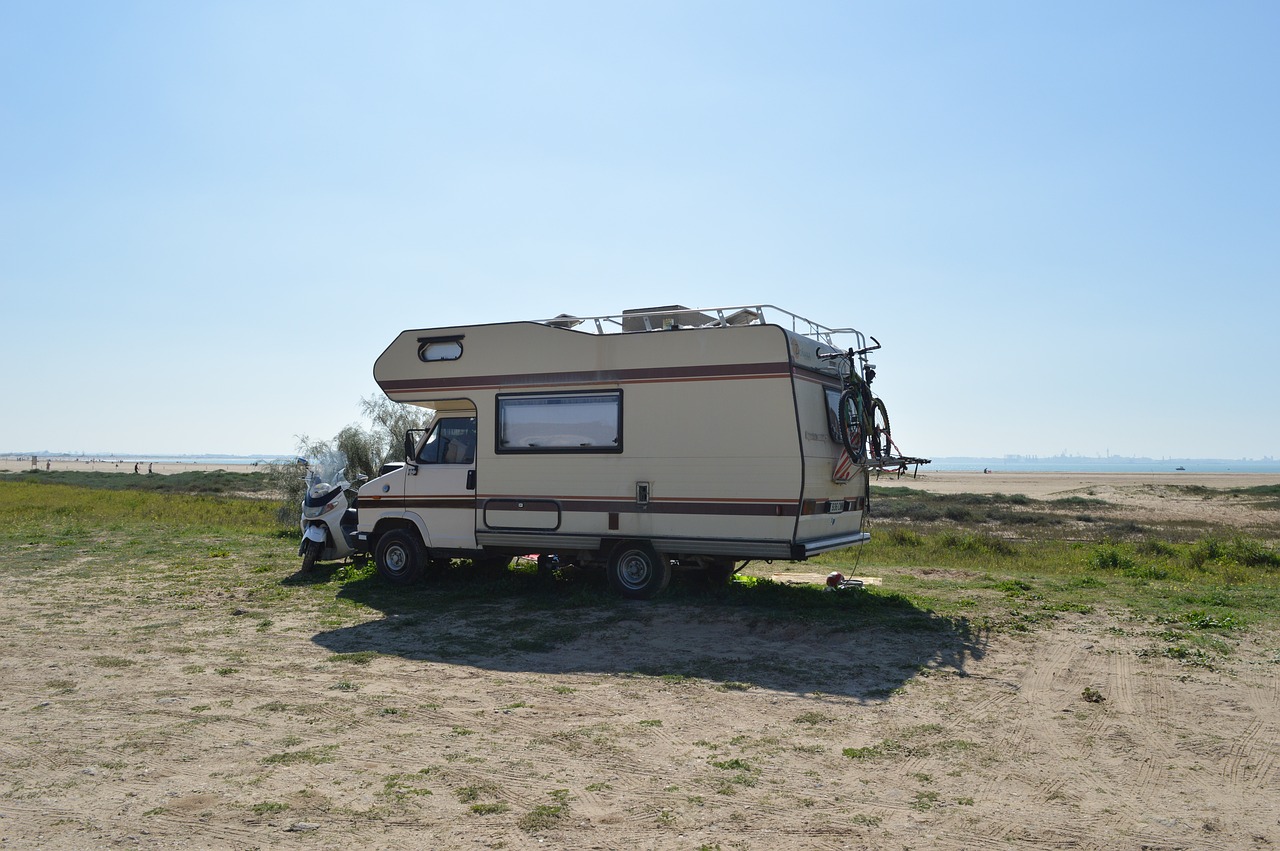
x,y
164,726
138,716
1055,485
1157,501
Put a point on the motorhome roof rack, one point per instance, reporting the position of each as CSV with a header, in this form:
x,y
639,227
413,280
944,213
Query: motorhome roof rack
x,y
674,316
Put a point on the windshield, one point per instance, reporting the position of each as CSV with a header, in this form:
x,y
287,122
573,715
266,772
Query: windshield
x,y
327,468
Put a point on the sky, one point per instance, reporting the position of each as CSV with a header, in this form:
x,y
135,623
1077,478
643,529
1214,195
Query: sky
x,y
1061,220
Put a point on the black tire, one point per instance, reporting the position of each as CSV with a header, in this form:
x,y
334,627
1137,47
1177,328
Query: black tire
x,y
637,572
399,557
881,444
310,555
718,573
491,566
853,431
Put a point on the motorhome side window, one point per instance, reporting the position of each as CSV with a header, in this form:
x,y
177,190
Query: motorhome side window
x,y
560,422
452,441
833,415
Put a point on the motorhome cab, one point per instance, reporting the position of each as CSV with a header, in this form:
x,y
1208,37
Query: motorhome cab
x,y
646,442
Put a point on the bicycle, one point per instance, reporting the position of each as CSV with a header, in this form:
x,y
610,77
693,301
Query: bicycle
x,y
863,417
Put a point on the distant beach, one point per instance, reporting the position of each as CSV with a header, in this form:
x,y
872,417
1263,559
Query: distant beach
x,y
155,464
1048,485
1111,464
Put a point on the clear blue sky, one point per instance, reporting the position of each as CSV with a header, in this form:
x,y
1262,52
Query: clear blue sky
x,y
1062,220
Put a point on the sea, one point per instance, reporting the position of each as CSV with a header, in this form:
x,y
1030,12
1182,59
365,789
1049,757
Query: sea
x,y
108,458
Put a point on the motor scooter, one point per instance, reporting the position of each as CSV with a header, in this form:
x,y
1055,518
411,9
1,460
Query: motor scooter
x,y
328,518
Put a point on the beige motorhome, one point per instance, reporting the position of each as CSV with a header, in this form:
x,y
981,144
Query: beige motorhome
x,y
646,442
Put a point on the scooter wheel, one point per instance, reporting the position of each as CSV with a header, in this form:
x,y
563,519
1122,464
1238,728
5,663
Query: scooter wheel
x,y
310,555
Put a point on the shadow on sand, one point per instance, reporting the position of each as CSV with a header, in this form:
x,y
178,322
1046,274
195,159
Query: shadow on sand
x,y
862,644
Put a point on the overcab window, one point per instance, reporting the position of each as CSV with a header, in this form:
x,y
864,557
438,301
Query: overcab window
x,y
560,422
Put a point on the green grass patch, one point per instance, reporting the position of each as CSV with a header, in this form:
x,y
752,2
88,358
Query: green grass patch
x,y
213,483
361,657
75,509
489,809
541,817
308,756
1018,585
267,808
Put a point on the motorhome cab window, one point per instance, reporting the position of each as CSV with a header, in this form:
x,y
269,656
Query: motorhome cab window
x,y
452,441
560,422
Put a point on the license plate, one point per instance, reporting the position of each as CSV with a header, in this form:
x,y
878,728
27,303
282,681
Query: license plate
x,y
836,506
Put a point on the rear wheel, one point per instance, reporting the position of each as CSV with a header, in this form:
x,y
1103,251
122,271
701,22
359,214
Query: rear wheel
x,y
881,445
719,572
637,571
399,557
491,565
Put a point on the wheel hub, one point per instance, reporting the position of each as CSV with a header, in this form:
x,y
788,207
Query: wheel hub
x,y
634,570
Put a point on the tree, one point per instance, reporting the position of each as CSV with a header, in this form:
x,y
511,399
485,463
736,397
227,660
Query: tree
x,y
353,451
390,422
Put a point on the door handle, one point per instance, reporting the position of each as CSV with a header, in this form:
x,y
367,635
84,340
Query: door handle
x,y
471,480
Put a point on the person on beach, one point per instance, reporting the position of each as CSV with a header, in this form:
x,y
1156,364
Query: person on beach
x,y
135,467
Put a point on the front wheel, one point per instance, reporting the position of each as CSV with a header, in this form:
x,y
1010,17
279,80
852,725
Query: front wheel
x,y
637,572
310,555
399,557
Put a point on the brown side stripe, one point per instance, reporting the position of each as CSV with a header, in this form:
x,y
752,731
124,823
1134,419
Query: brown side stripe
x,y
708,507
598,376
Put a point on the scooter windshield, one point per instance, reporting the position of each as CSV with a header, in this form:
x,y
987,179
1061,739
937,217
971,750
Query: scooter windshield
x,y
325,478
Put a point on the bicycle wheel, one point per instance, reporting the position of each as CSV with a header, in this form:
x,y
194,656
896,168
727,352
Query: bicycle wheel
x,y
853,430
881,443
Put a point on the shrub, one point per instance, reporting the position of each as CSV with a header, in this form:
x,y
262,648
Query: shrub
x,y
1107,556
905,538
1154,547
979,544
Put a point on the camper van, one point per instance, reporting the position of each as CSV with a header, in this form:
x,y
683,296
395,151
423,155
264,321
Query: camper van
x,y
651,441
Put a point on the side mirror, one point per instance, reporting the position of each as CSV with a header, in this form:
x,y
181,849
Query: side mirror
x,y
410,453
